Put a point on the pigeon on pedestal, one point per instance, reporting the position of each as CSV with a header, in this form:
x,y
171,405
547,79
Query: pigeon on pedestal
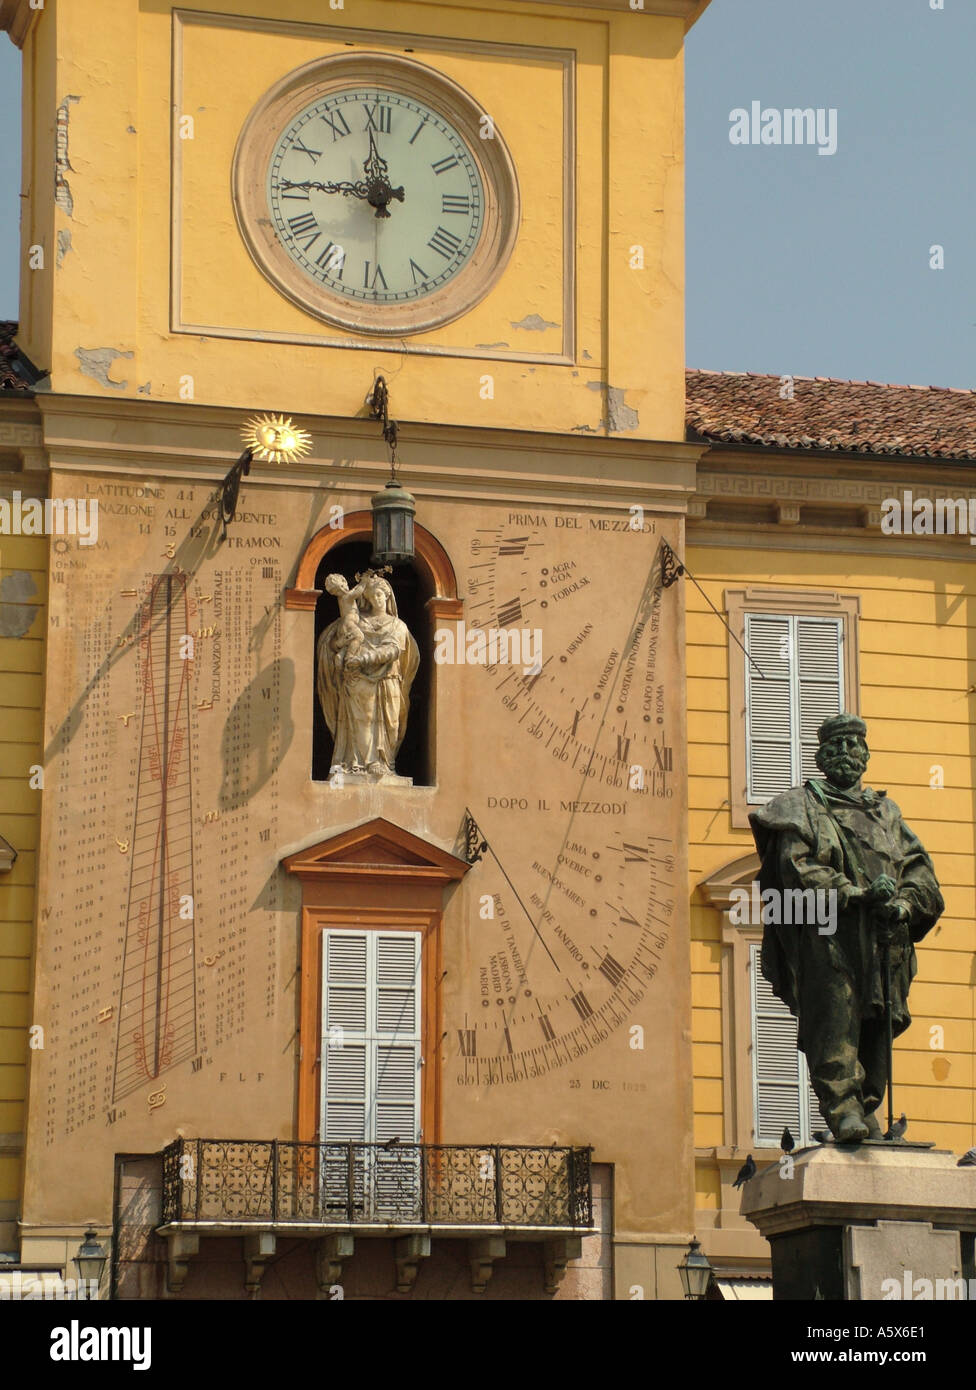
x,y
898,1128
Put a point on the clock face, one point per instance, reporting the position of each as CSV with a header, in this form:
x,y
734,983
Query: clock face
x,y
427,211
375,193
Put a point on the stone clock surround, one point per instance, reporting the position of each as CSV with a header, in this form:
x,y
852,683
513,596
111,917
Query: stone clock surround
x,y
327,76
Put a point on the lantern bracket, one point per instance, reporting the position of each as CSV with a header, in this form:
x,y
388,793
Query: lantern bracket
x,y
379,408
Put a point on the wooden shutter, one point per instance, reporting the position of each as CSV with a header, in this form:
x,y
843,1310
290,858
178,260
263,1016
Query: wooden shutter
x,y
814,1117
780,1075
819,682
801,685
769,706
370,1036
397,1111
774,1059
345,1040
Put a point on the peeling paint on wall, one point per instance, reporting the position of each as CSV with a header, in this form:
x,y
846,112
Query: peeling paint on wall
x,y
145,390
532,323
64,244
97,363
620,416
488,346
16,614
62,164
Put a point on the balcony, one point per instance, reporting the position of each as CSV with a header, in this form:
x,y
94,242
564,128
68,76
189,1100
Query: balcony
x,y
336,1193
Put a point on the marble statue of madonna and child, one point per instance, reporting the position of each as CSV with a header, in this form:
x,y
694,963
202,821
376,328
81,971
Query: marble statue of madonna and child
x,y
366,663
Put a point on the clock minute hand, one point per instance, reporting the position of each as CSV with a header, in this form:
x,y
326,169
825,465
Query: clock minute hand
x,y
378,182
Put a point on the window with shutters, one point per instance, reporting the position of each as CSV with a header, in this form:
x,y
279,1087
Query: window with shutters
x,y
794,681
371,1059
796,666
370,1037
782,1094
369,1066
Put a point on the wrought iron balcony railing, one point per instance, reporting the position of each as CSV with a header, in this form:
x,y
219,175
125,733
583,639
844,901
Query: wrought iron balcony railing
x,y
282,1182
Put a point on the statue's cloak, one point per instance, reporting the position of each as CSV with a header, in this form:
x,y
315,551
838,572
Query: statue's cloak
x,y
817,836
367,712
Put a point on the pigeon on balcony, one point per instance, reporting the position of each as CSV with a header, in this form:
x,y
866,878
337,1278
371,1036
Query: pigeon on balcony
x,y
787,1143
747,1171
898,1127
968,1159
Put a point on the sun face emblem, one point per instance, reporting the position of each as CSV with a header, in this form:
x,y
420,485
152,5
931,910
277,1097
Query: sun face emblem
x,y
275,439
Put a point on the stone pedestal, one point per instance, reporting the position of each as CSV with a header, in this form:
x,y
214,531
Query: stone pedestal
x,y
866,1222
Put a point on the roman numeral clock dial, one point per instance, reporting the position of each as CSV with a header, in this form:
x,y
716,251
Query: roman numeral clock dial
x,y
365,191
575,845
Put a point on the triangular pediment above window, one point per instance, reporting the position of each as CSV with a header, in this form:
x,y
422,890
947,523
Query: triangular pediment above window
x,y
377,848
8,855
738,874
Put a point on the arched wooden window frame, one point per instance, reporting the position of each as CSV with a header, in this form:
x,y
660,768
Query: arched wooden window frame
x,y
374,877
431,558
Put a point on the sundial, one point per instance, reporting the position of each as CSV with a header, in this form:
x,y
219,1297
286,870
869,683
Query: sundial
x,y
578,873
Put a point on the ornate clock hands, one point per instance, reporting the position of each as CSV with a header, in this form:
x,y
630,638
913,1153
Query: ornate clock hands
x,y
377,181
375,188
350,190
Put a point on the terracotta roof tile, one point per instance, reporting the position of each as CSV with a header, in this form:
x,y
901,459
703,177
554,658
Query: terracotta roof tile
x,y
828,414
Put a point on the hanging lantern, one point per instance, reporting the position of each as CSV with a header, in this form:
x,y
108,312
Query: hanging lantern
x,y
393,513
393,508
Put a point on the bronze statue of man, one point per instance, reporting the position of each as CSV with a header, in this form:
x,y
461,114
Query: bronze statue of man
x,y
834,834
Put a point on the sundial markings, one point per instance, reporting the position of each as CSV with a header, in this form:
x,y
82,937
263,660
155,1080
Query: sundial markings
x,y
598,763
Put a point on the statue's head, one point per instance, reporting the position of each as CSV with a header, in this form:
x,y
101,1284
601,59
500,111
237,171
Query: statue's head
x,y
379,593
336,584
843,753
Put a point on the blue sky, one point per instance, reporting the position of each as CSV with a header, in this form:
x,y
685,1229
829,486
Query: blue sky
x,y
798,263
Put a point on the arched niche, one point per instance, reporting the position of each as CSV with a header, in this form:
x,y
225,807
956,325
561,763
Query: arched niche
x,y
426,586
431,559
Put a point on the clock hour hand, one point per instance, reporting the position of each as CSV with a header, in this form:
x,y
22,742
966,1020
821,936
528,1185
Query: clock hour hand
x,y
377,181
350,190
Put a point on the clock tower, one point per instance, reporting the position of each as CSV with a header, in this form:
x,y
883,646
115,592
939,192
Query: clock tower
x,y
453,996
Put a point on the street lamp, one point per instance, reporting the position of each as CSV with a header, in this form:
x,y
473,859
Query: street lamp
x,y
90,1260
695,1272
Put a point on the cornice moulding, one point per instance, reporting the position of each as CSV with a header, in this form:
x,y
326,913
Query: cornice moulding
x,y
688,10
85,434
16,16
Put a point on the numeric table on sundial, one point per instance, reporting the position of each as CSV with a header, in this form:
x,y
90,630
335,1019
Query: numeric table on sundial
x,y
157,1026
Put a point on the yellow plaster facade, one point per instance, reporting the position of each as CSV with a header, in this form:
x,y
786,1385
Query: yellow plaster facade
x,y
589,102
914,650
